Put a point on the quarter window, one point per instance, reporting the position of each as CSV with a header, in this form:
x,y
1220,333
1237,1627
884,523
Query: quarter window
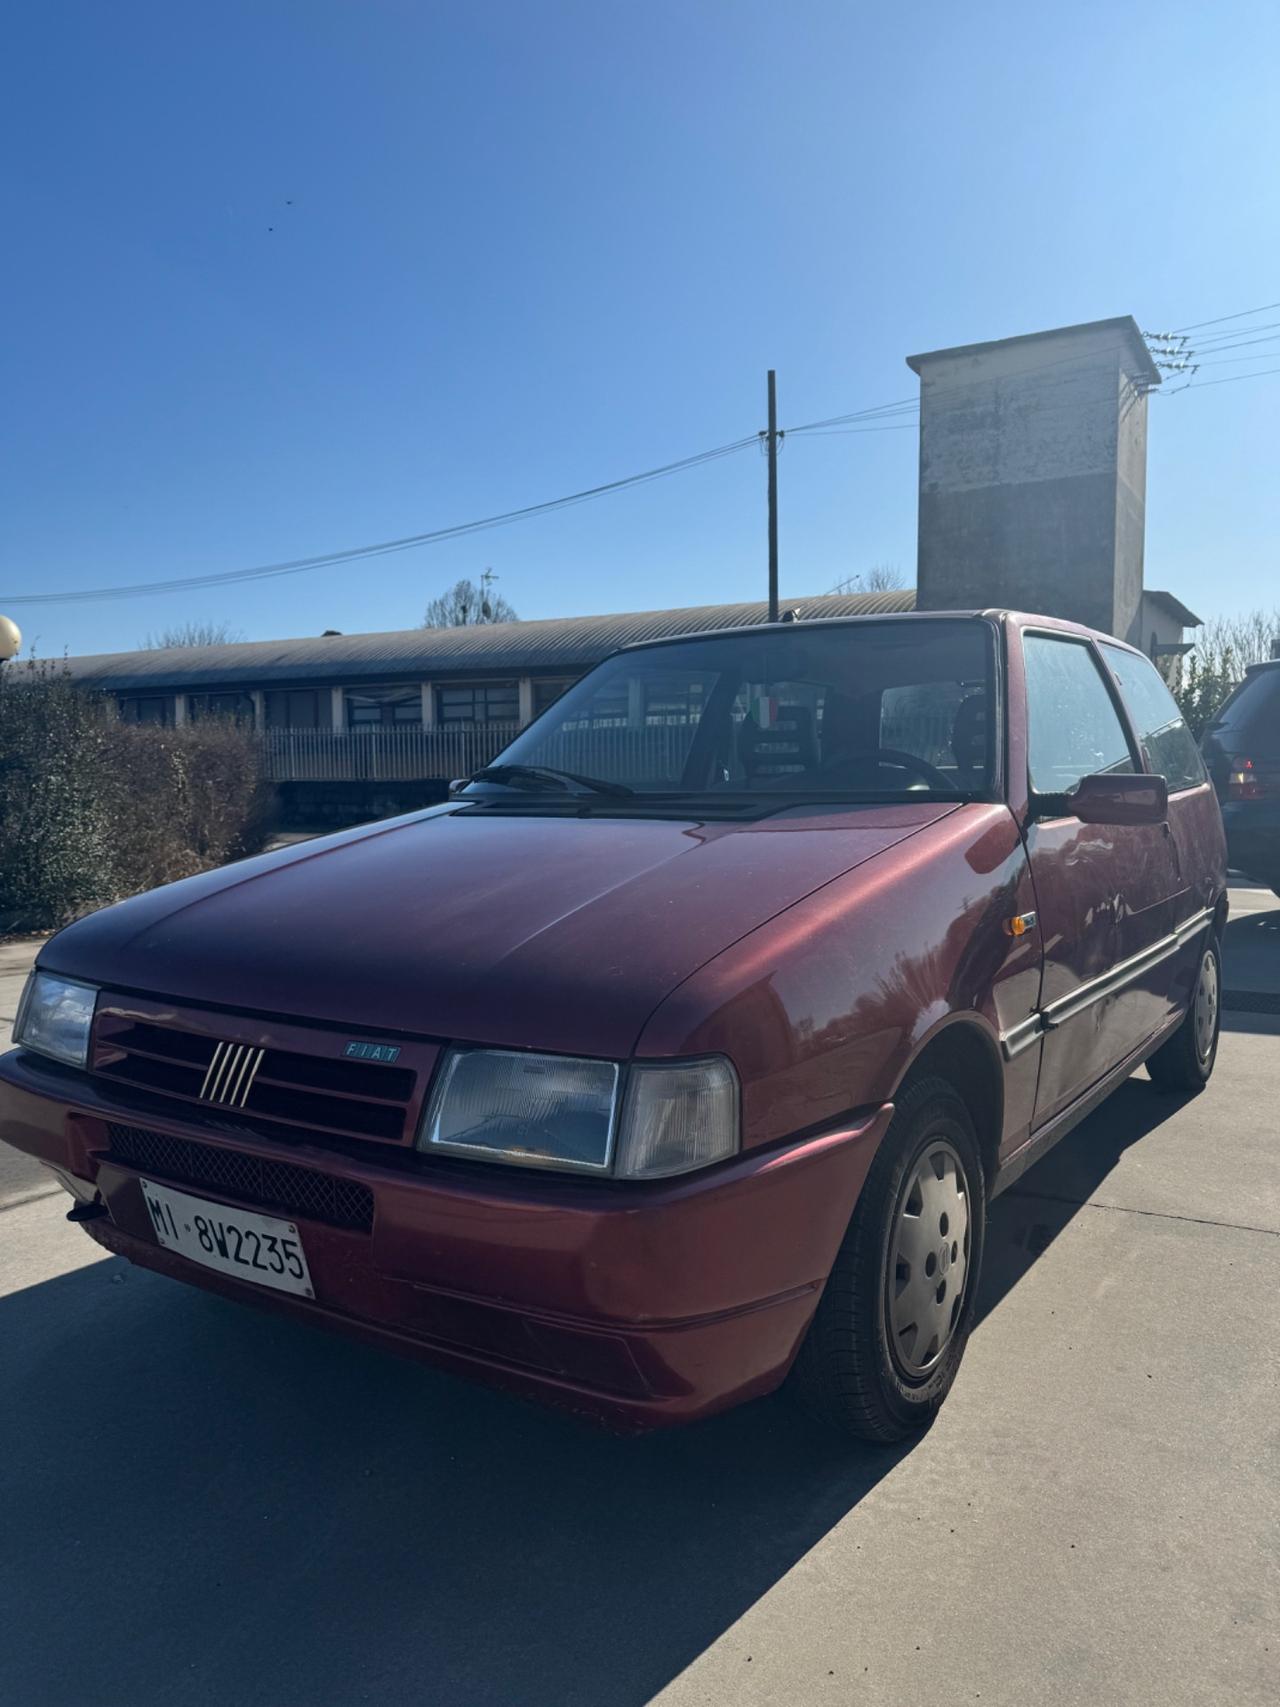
x,y
1073,728
1171,748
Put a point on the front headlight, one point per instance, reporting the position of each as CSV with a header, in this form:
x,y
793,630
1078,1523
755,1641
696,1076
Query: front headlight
x,y
555,1111
500,1105
55,1016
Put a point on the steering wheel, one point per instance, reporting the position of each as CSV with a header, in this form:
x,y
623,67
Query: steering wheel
x,y
895,759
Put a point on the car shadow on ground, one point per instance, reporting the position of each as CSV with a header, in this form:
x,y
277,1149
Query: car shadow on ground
x,y
1027,1218
1251,967
202,1504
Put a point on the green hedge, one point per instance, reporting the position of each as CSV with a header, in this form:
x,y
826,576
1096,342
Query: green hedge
x,y
92,810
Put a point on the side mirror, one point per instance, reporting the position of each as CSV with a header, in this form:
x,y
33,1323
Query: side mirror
x,y
1120,799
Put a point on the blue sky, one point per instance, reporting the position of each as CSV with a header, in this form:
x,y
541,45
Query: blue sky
x,y
538,244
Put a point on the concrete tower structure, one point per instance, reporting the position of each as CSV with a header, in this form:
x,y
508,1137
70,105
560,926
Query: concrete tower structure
x,y
1033,474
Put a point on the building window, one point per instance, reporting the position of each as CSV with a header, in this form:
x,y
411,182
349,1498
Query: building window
x,y
238,706
293,708
673,701
384,708
479,702
546,694
146,708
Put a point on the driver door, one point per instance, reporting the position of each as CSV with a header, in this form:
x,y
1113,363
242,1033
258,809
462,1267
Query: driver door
x,y
1104,892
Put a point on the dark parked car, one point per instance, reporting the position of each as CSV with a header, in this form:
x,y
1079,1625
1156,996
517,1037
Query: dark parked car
x,y
1242,749
683,1048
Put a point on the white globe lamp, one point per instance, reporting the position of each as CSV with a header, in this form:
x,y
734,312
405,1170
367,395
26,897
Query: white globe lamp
x,y
10,639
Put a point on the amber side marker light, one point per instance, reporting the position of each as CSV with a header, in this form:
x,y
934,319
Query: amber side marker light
x,y
1020,924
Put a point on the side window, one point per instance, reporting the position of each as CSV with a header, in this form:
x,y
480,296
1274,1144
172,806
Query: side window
x,y
1170,745
1073,728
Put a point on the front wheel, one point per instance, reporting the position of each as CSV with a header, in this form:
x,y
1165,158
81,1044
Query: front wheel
x,y
1185,1062
891,1326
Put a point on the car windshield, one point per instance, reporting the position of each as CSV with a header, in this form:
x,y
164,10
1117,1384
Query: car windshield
x,y
878,710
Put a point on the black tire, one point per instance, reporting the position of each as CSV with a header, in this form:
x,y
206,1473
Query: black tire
x,y
850,1369
1185,1062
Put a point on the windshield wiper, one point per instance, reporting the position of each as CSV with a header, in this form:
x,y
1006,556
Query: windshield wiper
x,y
547,776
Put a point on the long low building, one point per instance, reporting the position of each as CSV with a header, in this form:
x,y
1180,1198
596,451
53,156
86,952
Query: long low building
x,y
427,678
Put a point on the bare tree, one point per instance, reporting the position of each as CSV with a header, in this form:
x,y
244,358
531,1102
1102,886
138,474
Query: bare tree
x,y
194,633
880,578
465,604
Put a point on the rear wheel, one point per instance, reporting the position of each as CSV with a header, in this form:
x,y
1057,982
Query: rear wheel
x,y
891,1326
1185,1062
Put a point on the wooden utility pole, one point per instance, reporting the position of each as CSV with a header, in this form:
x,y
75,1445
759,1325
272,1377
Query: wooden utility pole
x,y
773,496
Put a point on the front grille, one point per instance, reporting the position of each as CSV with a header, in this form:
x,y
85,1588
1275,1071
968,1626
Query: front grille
x,y
282,1087
273,1186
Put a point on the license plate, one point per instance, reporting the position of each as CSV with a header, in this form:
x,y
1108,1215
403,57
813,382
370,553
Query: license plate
x,y
233,1241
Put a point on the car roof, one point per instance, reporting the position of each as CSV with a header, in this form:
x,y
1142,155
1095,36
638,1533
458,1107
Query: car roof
x,y
1018,619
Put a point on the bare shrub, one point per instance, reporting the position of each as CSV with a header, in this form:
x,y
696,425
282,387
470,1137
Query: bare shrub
x,y
185,799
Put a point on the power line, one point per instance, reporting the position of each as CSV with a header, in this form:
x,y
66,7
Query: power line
x,y
384,548
908,406
1235,335
1231,379
843,432
1243,314
895,416
903,404
1232,361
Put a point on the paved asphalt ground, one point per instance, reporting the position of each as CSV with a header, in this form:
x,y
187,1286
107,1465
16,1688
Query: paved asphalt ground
x,y
202,1505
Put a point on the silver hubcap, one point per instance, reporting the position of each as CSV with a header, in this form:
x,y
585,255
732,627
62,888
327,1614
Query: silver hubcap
x,y
928,1259
1207,1006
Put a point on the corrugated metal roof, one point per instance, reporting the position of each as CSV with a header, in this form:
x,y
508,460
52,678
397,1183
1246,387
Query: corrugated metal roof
x,y
570,644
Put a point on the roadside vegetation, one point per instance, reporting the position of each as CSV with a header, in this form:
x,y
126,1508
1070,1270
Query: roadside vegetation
x,y
1225,646
92,810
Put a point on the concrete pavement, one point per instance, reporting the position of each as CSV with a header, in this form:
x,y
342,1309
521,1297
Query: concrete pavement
x,y
201,1504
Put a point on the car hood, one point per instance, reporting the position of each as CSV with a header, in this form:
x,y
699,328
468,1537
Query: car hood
x,y
551,932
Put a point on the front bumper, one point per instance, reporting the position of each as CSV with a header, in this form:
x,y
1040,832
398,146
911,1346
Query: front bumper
x,y
639,1305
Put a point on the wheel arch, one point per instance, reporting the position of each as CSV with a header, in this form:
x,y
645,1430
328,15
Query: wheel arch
x,y
963,1052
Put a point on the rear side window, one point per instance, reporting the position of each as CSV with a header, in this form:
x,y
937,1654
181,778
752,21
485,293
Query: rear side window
x,y
1073,727
1171,747
1254,708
